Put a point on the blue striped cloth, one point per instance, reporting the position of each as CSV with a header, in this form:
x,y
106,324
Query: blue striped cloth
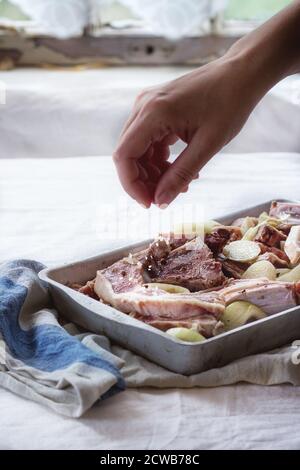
x,y
39,359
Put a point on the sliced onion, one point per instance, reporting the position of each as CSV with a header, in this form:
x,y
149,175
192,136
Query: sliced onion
x,y
242,250
267,219
239,313
170,288
281,271
292,276
248,222
260,269
186,334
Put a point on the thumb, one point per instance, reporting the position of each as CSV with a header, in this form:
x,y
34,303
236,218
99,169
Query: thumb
x,y
182,171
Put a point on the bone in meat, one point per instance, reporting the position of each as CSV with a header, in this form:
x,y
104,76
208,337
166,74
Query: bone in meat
x,y
220,236
192,266
153,302
271,296
269,236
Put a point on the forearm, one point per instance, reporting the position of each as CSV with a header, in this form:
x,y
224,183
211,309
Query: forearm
x,y
271,52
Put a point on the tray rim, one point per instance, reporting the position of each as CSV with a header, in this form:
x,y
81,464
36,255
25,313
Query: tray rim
x,y
124,318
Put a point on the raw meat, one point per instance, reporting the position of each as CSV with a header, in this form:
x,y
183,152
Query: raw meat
x,y
149,301
232,268
271,296
207,325
192,266
220,236
136,269
270,236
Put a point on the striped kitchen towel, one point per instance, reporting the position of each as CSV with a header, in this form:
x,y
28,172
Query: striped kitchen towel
x,y
39,359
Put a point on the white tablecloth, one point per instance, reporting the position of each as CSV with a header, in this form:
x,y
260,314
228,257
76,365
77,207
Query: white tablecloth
x,y
49,211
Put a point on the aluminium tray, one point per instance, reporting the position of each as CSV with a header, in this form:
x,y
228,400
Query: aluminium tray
x,y
155,345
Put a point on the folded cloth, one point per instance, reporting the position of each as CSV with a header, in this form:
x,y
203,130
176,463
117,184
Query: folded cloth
x,y
39,359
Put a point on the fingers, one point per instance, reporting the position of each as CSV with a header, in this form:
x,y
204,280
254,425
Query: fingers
x,y
153,171
135,111
183,170
129,121
154,164
161,149
134,144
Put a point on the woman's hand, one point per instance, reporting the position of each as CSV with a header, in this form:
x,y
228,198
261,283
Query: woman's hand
x,y
205,109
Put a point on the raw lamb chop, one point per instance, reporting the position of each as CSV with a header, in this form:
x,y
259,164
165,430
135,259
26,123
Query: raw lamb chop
x,y
175,240
274,259
232,268
284,228
276,251
192,266
136,269
276,256
270,236
207,325
123,285
86,289
154,305
271,296
156,302
220,236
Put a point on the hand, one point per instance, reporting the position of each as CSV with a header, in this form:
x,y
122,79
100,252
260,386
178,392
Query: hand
x,y
205,109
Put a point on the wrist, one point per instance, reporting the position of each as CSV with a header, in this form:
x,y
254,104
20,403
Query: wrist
x,y
271,52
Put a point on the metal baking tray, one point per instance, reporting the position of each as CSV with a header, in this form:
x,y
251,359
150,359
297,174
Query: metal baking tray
x,y
155,345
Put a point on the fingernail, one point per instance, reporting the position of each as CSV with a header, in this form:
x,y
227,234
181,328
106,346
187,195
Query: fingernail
x,y
144,206
162,206
165,198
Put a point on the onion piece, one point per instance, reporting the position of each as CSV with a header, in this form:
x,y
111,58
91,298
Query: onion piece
x,y
170,288
239,313
242,250
292,276
185,334
260,269
248,222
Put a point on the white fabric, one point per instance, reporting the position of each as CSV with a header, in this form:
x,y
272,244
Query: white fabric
x,y
240,417
48,211
62,113
68,18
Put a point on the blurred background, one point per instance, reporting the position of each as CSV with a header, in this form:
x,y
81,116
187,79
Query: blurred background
x,y
125,31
